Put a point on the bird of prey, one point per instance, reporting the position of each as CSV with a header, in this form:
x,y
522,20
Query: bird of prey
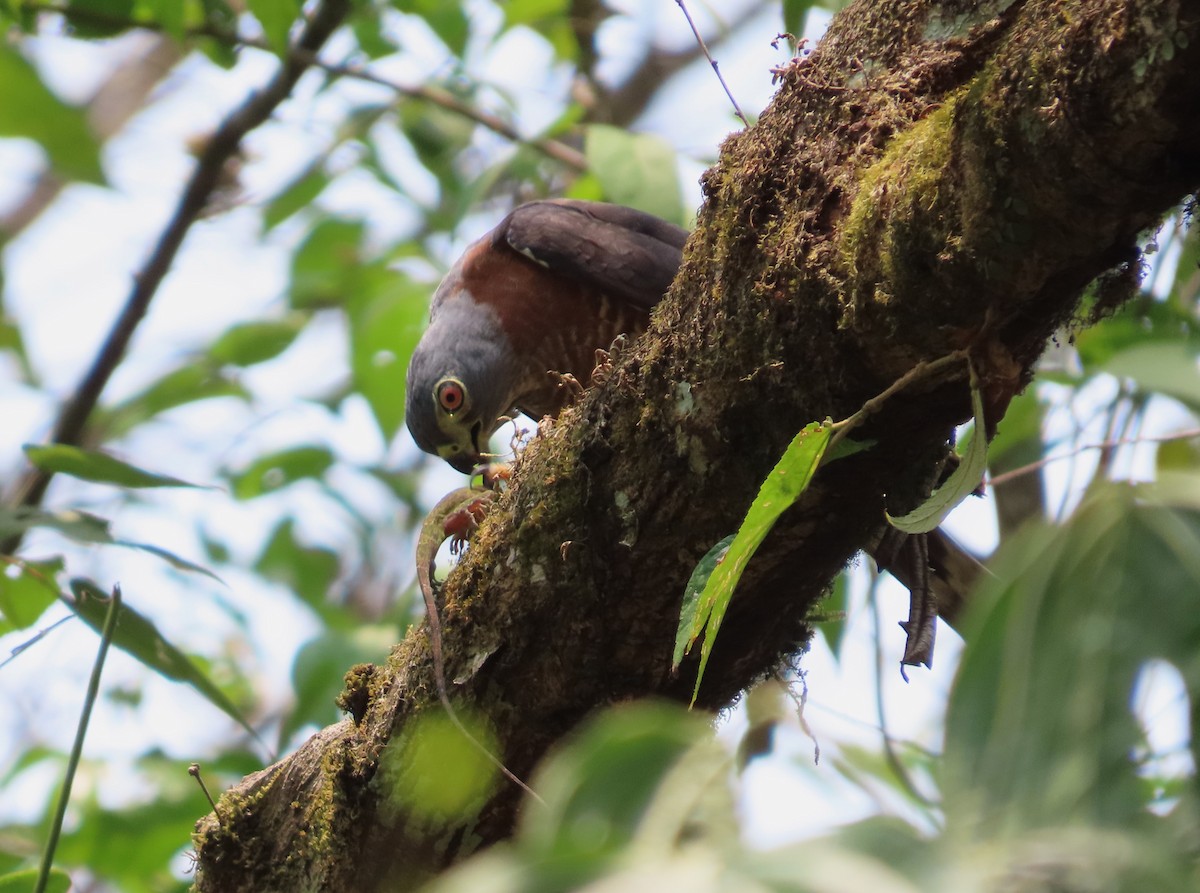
x,y
527,306
533,300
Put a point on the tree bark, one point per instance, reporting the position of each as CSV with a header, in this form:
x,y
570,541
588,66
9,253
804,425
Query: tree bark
x,y
937,176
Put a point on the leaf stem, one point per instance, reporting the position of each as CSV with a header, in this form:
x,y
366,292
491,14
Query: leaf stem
x,y
874,404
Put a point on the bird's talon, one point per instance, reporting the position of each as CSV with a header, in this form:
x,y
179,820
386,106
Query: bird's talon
x,y
462,523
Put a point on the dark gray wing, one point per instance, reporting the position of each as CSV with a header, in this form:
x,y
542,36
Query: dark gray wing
x,y
626,253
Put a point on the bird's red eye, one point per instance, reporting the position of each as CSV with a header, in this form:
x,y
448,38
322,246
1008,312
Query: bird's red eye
x,y
450,395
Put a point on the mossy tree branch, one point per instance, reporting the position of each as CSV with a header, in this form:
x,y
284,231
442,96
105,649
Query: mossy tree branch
x,y
938,175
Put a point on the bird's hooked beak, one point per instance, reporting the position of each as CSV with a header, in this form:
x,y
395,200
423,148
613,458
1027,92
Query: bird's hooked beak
x,y
464,462
466,455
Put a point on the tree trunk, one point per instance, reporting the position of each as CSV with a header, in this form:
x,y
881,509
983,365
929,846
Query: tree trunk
x,y
938,175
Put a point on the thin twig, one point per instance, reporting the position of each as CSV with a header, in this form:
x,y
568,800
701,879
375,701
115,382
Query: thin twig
x,y
206,177
906,743
1105,445
553,149
442,98
871,406
1119,414
711,61
89,700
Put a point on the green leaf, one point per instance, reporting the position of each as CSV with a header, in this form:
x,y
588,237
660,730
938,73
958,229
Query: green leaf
x,y
1018,440
137,636
447,20
385,326
1162,368
548,18
12,340
216,16
220,52
25,20
1178,455
432,773
605,781
299,194
99,18
79,526
327,267
847,447
794,14
29,109
276,18
26,880
319,668
530,12
831,621
784,485
188,384
89,465
438,136
1140,322
691,597
255,342
171,15
169,557
275,471
32,755
587,187
1084,605
25,595
636,169
962,481
306,570
83,527
371,38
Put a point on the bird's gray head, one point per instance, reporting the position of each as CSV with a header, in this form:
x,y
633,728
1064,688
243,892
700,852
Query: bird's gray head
x,y
460,381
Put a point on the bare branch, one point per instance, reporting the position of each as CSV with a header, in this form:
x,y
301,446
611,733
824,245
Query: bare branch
x,y
442,98
554,149
1106,445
